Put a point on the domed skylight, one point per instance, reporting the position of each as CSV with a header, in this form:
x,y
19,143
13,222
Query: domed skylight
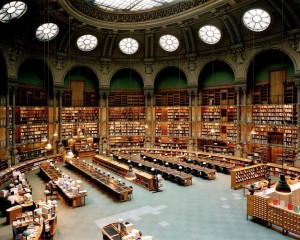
x,y
11,10
46,32
169,43
257,20
128,45
87,42
210,34
128,5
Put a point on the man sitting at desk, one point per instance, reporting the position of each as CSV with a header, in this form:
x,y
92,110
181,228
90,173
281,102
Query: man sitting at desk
x,y
12,198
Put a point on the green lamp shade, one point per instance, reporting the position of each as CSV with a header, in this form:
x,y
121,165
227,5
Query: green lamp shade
x,y
282,186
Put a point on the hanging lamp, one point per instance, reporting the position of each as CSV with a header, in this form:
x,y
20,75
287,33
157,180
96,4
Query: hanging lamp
x,y
130,175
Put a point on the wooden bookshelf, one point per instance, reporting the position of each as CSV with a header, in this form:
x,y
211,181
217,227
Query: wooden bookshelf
x,y
31,96
171,98
27,166
246,175
172,122
31,115
120,99
31,133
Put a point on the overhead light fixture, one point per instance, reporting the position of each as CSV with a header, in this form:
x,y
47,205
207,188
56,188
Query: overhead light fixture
x,y
69,154
253,132
130,175
44,139
48,146
282,186
55,134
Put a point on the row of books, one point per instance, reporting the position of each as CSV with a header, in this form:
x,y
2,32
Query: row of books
x,y
290,206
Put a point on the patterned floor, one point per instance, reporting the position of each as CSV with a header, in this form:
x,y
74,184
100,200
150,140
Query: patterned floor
x,y
206,210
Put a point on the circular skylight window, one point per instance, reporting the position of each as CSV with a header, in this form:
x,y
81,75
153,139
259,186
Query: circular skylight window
x,y
210,34
128,45
256,20
46,32
87,42
169,43
11,10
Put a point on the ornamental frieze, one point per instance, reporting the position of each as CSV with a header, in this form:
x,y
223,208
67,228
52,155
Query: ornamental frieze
x,y
100,14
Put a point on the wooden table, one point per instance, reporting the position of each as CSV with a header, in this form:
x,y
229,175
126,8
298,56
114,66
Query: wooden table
x,y
116,189
173,175
143,178
74,200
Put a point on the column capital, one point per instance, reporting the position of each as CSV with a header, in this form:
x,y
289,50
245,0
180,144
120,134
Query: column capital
x,y
104,91
148,91
58,89
240,86
192,89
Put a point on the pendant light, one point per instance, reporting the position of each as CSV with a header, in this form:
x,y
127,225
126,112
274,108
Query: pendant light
x,y
130,175
282,186
253,132
69,154
48,146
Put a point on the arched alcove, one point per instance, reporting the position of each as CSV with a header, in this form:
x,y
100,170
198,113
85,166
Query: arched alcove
x,y
80,87
170,78
126,79
35,83
270,78
216,74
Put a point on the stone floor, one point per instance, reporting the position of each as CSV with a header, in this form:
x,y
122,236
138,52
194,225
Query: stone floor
x,y
206,210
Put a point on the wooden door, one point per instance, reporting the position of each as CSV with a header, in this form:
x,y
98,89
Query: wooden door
x,y
277,78
77,88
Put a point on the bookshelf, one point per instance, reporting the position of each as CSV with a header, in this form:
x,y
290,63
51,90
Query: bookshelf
x,y
127,125
171,98
246,175
86,119
124,99
31,115
31,96
31,133
172,126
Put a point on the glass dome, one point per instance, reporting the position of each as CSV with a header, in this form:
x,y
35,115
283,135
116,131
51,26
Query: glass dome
x,y
129,5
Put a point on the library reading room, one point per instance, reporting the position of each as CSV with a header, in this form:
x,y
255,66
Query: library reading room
x,y
149,120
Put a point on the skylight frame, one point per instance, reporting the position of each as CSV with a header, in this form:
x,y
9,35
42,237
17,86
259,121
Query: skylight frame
x,y
210,34
169,43
46,32
129,45
12,10
87,42
257,19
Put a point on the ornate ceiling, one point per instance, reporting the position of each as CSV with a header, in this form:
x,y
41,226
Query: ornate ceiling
x,y
181,19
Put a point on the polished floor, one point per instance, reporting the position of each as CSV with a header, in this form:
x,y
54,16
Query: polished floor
x,y
206,210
